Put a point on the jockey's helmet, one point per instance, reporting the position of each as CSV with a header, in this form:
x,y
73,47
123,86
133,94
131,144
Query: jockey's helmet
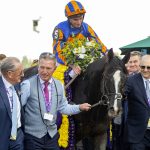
x,y
74,8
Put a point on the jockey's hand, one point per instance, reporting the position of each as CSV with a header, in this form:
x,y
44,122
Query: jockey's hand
x,y
76,69
84,107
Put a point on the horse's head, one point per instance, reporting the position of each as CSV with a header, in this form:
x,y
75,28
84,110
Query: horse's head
x,y
112,83
103,86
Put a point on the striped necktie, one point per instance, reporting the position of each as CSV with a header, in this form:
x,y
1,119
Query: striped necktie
x,y
14,114
147,90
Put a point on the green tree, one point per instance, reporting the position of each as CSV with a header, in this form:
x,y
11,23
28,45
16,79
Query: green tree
x,y
26,62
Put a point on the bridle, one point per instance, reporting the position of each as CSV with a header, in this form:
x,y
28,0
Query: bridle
x,y
104,99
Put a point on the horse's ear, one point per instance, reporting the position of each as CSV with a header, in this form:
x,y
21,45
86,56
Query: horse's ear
x,y
126,58
110,55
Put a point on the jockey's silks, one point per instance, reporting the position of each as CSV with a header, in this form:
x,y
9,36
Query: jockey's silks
x,y
63,32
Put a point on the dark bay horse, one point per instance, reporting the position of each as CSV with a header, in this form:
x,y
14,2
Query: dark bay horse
x,y
101,86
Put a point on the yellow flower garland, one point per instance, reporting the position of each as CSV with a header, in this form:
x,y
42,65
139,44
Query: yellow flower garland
x,y
63,130
110,130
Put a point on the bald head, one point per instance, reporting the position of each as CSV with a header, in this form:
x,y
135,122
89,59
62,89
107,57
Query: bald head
x,y
145,66
145,58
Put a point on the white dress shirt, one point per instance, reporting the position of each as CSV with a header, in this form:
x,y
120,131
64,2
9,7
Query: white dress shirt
x,y
9,94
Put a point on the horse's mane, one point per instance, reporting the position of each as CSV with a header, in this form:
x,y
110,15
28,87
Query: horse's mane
x,y
115,63
29,72
95,73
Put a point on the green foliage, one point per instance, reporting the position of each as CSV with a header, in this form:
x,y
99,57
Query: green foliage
x,y
26,62
81,52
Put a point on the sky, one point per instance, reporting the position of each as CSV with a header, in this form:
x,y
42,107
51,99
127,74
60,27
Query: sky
x,y
116,22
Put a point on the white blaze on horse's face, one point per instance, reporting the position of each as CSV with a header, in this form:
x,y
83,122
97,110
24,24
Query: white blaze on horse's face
x,y
117,78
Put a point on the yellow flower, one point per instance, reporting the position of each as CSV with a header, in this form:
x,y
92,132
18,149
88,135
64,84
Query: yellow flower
x,y
73,52
59,73
63,130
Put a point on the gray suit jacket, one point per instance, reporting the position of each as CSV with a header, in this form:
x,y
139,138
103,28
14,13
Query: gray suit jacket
x,y
35,124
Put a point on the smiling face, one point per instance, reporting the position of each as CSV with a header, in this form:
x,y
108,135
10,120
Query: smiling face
x,y
46,68
14,76
134,63
12,70
145,66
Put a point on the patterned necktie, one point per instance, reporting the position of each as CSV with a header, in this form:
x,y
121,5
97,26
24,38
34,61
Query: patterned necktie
x,y
46,94
14,114
147,90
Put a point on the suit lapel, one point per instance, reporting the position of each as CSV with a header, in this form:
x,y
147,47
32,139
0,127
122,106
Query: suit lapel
x,y
54,96
41,97
5,99
142,88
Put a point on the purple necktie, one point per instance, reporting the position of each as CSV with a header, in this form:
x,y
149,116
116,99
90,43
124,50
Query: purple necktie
x,y
46,94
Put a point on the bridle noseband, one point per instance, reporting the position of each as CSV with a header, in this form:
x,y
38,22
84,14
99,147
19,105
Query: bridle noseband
x,y
104,99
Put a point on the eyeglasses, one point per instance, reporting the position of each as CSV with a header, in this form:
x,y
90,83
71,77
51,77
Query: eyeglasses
x,y
145,67
47,55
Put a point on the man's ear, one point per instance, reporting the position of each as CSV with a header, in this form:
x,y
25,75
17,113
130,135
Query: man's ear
x,y
9,74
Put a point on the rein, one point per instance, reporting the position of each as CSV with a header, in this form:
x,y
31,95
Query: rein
x,y
107,101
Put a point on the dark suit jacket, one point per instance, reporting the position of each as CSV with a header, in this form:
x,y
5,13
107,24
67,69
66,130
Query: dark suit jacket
x,y
138,109
5,117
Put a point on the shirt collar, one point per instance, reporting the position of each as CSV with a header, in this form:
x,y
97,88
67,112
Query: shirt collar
x,y
146,79
42,81
6,83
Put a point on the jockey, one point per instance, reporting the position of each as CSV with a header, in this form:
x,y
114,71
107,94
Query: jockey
x,y
66,31
73,27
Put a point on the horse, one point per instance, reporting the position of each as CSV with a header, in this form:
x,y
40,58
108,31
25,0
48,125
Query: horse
x,y
101,86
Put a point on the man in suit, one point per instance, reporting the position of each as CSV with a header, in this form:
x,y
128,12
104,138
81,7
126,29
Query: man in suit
x,y
43,96
137,127
134,62
11,135
133,67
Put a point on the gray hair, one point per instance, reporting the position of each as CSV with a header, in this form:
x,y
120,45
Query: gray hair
x,y
47,56
136,53
9,64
